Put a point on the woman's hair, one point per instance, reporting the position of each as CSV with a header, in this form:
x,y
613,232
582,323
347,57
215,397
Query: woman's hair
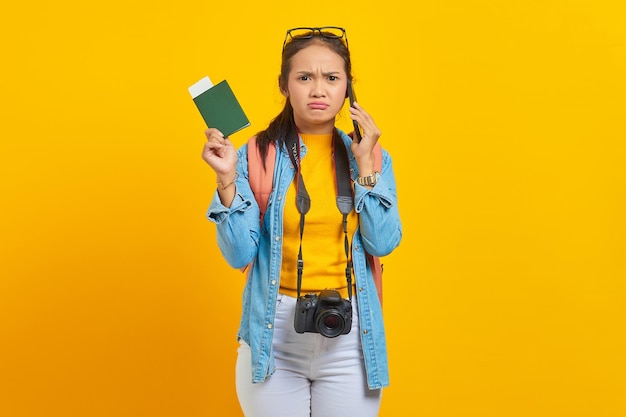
x,y
284,123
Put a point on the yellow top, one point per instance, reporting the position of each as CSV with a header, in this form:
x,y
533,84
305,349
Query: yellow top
x,y
323,239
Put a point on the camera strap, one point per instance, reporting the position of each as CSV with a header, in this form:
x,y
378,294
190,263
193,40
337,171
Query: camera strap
x,y
344,200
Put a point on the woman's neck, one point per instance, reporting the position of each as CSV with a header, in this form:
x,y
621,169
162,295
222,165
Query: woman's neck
x,y
316,129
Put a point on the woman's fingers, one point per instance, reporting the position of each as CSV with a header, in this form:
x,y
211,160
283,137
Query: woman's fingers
x,y
363,118
219,152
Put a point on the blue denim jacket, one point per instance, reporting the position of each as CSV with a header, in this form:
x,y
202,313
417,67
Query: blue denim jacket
x,y
242,240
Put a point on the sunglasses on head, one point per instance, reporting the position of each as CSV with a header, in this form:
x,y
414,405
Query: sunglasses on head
x,y
331,32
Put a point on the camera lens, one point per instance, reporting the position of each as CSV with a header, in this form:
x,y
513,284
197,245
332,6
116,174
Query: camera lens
x,y
331,321
330,324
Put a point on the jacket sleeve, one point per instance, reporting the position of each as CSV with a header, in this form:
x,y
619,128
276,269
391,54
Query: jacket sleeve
x,y
238,227
379,219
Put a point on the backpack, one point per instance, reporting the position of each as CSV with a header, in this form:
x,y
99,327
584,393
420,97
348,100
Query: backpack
x,y
262,180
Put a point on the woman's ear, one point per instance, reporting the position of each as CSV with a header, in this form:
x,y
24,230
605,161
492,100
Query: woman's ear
x,y
282,87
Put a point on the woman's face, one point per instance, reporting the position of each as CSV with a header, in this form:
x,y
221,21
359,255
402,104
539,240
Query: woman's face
x,y
316,87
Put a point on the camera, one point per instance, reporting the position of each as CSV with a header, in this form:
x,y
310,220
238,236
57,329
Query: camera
x,y
327,314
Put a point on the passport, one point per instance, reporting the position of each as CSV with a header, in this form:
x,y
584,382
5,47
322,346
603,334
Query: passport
x,y
218,106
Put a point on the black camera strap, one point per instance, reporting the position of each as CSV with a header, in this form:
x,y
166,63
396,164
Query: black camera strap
x,y
344,196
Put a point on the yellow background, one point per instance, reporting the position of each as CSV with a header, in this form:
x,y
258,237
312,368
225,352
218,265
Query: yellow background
x,y
506,122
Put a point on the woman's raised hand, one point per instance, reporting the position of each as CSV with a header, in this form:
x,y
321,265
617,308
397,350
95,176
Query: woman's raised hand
x,y
363,150
220,153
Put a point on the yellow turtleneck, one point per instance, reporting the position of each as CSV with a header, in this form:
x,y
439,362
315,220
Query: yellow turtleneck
x,y
323,240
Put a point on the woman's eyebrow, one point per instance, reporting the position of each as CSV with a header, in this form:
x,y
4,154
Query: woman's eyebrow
x,y
309,73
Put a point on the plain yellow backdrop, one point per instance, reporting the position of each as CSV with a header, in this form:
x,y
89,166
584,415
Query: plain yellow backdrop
x,y
506,121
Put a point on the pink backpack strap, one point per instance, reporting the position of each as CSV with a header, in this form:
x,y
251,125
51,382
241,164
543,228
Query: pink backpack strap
x,y
261,178
377,272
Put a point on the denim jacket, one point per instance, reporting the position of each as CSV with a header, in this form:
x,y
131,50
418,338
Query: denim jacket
x,y
243,240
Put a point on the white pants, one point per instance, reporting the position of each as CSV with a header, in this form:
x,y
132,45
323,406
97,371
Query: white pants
x,y
315,376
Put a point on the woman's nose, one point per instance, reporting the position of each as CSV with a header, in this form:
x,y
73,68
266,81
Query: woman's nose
x,y
317,89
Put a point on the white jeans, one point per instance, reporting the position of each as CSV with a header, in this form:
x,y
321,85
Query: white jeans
x,y
315,376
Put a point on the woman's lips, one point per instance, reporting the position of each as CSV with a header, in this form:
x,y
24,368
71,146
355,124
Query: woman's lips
x,y
318,106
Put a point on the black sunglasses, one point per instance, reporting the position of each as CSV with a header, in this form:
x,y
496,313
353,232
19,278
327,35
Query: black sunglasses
x,y
331,32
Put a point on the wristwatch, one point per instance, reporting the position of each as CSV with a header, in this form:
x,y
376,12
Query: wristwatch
x,y
370,180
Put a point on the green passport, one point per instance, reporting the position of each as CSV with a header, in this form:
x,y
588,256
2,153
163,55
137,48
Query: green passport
x,y
218,106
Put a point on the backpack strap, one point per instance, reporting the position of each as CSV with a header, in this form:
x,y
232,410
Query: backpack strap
x,y
261,181
261,177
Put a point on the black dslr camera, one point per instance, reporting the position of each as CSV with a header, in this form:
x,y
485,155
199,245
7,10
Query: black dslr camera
x,y
327,314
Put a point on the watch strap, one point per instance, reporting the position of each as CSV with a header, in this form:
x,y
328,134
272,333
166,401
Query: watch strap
x,y
369,180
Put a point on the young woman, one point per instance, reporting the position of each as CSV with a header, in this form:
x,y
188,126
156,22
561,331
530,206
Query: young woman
x,y
337,365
